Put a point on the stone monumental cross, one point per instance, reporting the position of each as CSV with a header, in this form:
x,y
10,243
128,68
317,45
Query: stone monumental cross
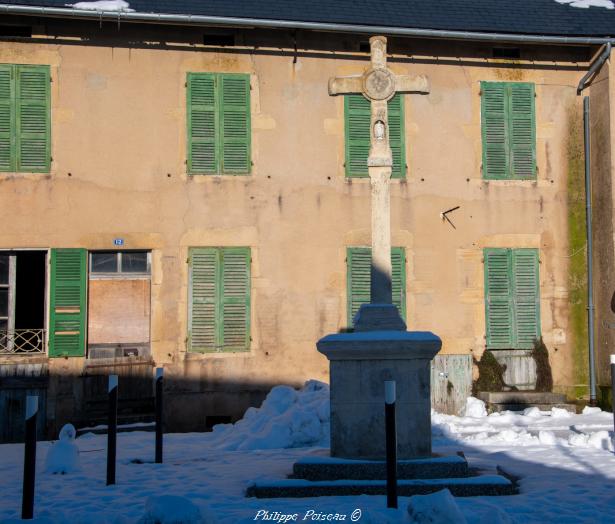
x,y
380,348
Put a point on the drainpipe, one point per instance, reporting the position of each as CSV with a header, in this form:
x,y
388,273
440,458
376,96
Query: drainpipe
x,y
594,67
590,281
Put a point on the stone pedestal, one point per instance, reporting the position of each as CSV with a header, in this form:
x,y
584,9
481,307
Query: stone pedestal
x,y
360,363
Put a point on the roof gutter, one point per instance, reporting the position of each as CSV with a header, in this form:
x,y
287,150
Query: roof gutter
x,y
597,64
194,20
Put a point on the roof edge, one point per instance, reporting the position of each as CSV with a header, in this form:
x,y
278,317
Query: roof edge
x,y
199,20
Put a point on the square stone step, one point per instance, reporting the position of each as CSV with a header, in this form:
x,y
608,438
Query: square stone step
x,y
572,408
486,485
320,468
529,398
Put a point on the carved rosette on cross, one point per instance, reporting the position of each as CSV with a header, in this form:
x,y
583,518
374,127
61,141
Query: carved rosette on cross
x,y
379,84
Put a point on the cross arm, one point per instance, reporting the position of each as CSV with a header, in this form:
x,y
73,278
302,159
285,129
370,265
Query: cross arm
x,y
344,85
412,84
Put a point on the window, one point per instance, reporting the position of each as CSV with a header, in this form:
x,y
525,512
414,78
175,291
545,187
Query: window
x,y
218,124
22,301
219,299
357,122
508,130
358,271
119,262
25,126
119,304
512,298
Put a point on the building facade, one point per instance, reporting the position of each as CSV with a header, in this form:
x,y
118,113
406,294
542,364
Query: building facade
x,y
192,198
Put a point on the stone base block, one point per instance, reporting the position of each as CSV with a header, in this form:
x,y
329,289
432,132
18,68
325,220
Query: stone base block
x,y
488,485
330,468
520,400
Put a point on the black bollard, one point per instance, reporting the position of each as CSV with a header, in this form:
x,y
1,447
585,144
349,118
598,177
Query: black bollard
x,y
29,461
391,442
112,430
159,374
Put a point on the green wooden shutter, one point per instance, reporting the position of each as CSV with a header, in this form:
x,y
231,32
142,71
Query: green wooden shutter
x,y
235,303
398,280
494,127
357,122
235,123
526,297
358,275
522,130
68,303
202,313
7,118
202,124
33,119
397,136
498,299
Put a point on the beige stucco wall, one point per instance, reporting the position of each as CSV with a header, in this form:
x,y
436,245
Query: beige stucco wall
x,y
118,170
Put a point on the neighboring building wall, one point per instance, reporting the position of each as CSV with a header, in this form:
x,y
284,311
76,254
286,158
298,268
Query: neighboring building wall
x,y
118,170
601,128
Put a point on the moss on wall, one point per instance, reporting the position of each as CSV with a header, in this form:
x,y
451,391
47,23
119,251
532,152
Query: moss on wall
x,y
577,276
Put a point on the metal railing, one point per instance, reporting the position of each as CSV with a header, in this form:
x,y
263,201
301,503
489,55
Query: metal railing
x,y
20,341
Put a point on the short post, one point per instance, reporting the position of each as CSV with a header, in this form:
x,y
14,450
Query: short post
x,y
112,430
29,462
159,375
391,442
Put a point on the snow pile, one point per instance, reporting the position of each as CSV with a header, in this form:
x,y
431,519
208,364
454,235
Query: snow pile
x,y
586,4
63,456
528,428
436,508
597,440
287,419
171,509
103,5
560,413
533,412
475,408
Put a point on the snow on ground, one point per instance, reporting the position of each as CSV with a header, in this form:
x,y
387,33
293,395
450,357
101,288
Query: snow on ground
x,y
564,462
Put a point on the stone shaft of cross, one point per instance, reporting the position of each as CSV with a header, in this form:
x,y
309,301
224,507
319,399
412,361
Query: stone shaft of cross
x,y
379,84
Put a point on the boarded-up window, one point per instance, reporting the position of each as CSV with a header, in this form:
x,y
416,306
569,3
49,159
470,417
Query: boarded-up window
x,y
219,299
218,123
508,130
25,124
358,271
512,298
357,113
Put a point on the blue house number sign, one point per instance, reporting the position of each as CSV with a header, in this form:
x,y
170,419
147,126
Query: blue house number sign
x,y
118,241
